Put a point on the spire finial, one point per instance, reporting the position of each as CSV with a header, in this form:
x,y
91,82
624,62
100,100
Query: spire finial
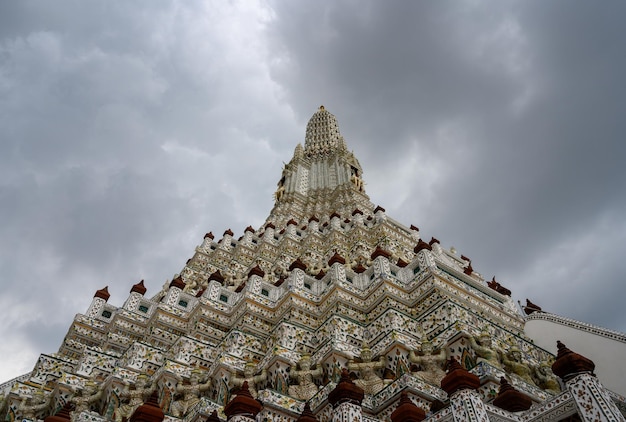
x,y
568,363
322,134
510,399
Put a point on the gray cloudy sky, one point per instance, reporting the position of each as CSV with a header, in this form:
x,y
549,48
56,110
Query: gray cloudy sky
x,y
129,129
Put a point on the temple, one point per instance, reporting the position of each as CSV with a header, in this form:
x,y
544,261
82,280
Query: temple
x,y
330,311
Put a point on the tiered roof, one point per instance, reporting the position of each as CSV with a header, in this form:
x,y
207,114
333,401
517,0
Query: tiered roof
x,y
326,276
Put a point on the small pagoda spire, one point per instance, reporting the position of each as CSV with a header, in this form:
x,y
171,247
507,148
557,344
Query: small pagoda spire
x,y
139,288
359,269
422,245
62,415
213,417
103,293
217,276
458,378
569,364
380,252
150,411
346,391
256,270
461,386
437,405
510,399
307,415
178,282
98,302
243,404
322,134
297,264
407,411
207,240
336,258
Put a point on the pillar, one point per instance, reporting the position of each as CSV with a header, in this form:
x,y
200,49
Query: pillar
x,y
592,400
346,400
465,401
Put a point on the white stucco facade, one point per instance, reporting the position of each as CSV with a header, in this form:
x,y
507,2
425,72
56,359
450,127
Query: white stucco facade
x,y
606,348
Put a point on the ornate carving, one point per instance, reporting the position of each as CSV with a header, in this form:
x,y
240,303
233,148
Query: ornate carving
x,y
306,388
370,382
250,379
231,305
85,399
513,363
30,407
486,351
431,363
135,396
191,393
545,379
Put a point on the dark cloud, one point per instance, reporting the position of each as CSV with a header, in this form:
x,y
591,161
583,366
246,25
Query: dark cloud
x,y
129,130
500,120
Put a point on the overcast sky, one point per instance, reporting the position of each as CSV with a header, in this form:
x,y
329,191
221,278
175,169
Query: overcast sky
x,y
129,129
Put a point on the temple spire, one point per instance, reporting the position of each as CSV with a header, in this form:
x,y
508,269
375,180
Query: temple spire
x,y
322,178
322,134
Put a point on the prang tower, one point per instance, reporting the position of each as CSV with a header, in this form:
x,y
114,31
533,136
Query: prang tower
x,y
330,311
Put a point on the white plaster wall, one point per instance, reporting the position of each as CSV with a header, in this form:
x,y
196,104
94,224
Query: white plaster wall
x,y
608,354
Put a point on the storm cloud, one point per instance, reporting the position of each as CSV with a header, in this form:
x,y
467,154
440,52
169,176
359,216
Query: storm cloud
x,y
128,130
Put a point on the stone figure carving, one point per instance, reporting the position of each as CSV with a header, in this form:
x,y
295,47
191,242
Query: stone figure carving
x,y
279,192
85,398
513,363
395,322
545,378
30,407
370,382
357,182
356,179
190,392
253,380
136,396
431,363
306,388
486,352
